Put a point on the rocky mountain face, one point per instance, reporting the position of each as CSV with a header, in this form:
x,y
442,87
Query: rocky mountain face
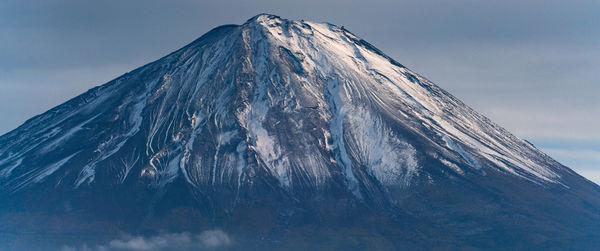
x,y
285,134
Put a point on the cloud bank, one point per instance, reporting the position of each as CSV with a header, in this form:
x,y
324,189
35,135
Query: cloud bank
x,y
207,240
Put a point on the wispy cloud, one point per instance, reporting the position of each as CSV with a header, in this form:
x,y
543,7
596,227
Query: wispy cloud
x,y
207,240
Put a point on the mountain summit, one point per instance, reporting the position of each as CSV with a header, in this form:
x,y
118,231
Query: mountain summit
x,y
285,134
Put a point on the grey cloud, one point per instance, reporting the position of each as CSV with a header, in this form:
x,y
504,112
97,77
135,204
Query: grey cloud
x,y
206,240
104,31
214,239
210,239
535,91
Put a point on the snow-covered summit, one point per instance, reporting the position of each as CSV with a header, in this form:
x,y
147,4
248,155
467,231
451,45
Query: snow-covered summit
x,y
306,102
287,130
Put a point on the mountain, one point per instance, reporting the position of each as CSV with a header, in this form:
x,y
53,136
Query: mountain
x,y
286,135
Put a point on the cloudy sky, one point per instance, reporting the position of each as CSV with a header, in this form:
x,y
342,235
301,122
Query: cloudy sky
x,y
531,66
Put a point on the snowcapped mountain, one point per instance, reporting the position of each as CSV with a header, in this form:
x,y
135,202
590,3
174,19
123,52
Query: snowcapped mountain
x,y
287,125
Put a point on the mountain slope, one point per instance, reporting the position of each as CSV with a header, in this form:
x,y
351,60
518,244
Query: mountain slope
x,y
298,123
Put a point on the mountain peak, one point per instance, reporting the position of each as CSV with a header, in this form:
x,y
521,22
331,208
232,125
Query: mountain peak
x,y
262,18
303,117
247,76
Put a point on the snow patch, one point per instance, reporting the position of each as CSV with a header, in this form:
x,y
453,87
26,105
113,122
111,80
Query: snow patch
x,y
467,157
375,146
337,133
8,170
47,171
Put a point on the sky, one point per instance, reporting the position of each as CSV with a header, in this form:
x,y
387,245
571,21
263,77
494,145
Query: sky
x,y
530,66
